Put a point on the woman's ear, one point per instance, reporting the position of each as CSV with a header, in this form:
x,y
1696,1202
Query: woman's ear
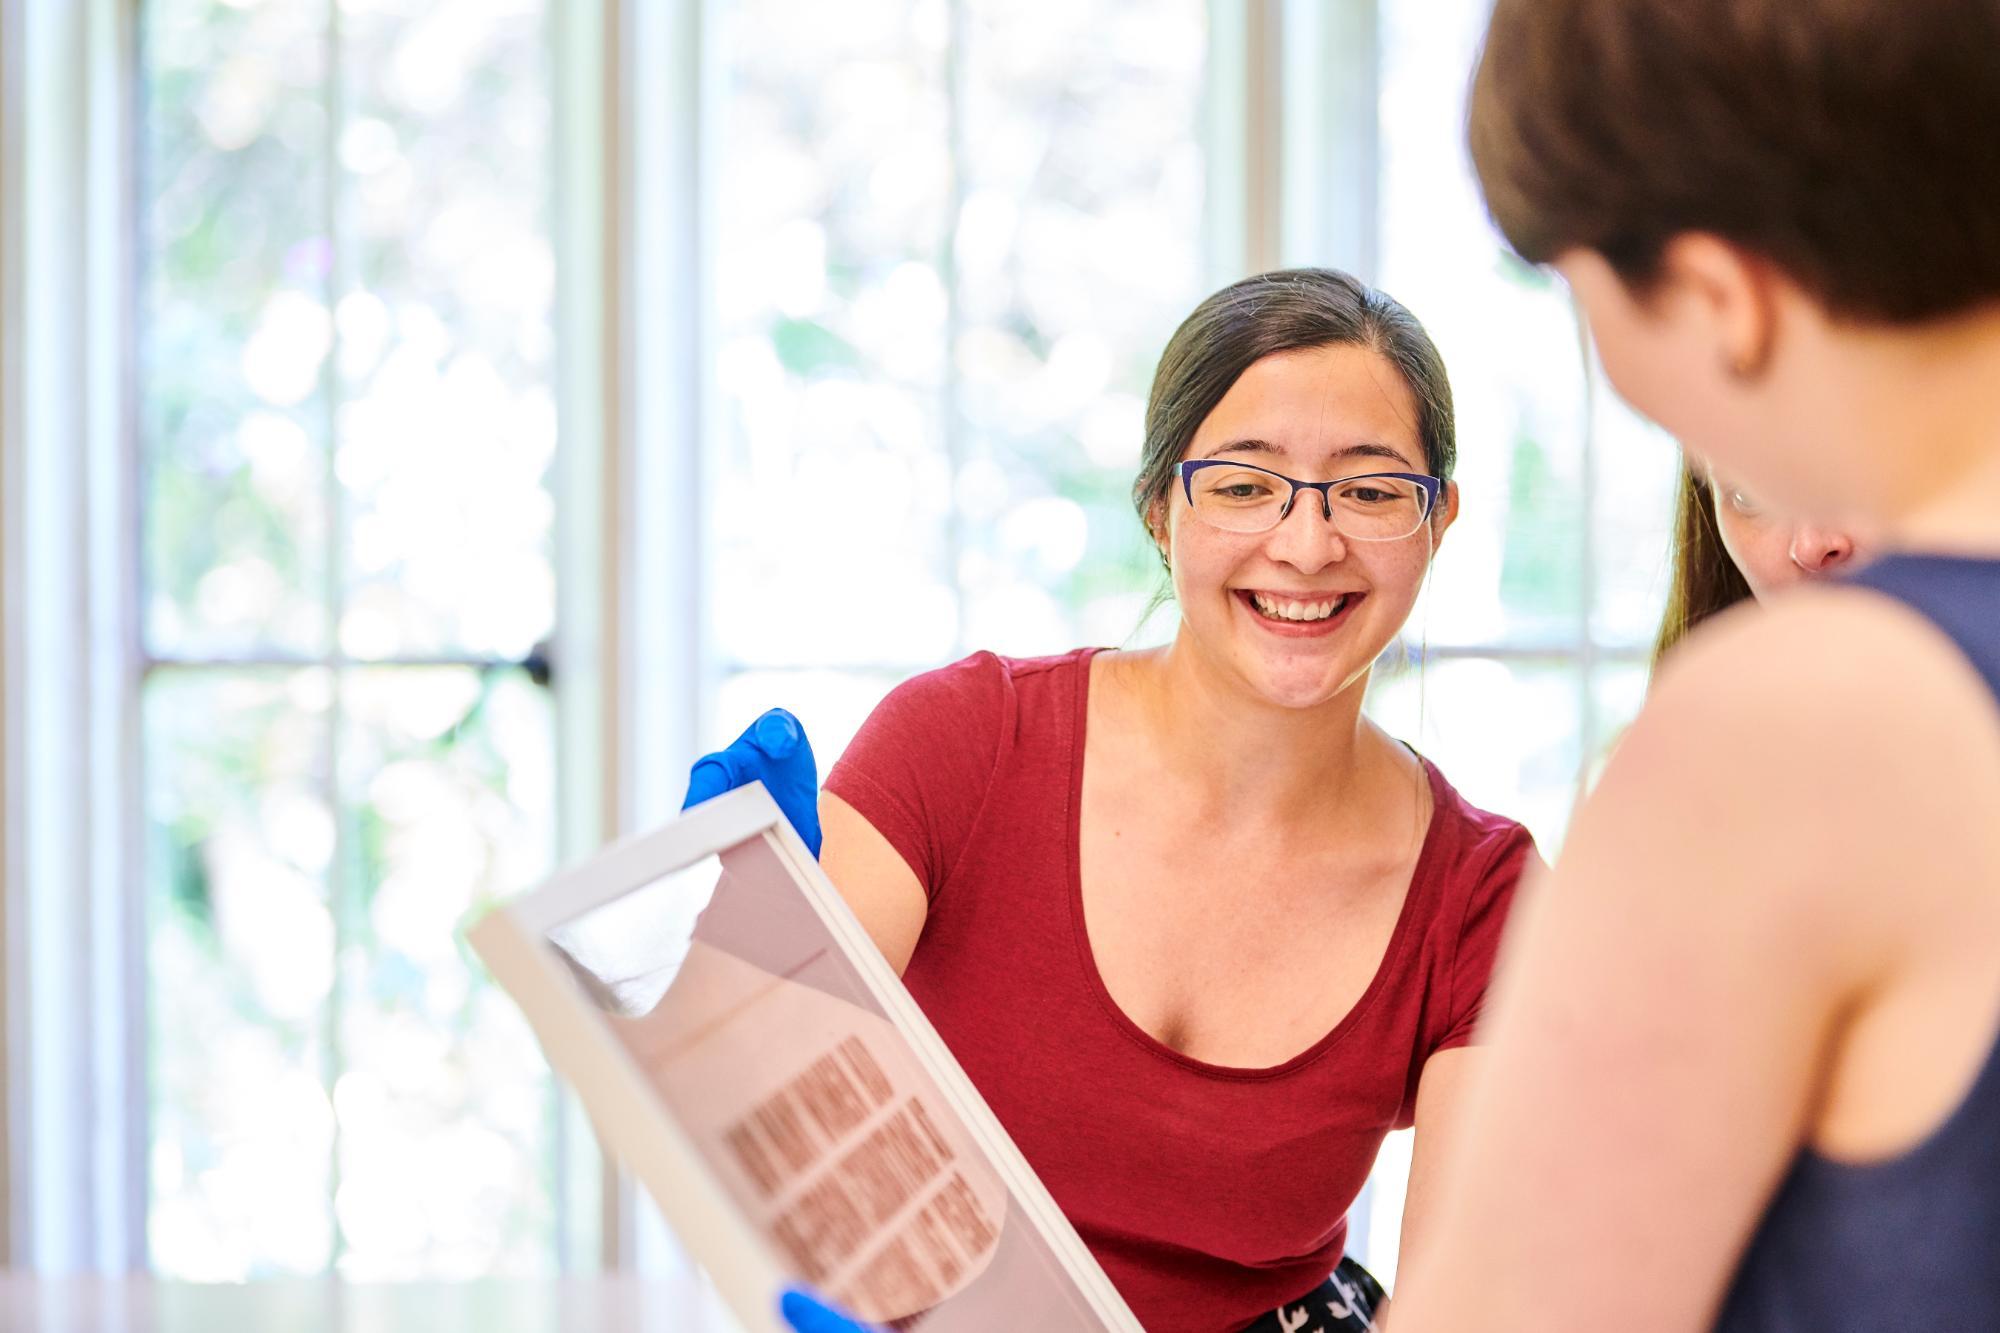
x,y
1156,528
1443,514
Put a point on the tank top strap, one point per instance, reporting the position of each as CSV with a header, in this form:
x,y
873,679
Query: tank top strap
x,y
1958,594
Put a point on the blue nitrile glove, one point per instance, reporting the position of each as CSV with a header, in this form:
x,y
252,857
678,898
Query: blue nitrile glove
x,y
772,750
804,1312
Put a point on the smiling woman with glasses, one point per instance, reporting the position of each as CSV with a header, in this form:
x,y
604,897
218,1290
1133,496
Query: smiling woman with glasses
x,y
1201,932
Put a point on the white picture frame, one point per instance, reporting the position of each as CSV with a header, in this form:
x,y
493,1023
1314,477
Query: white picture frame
x,y
514,940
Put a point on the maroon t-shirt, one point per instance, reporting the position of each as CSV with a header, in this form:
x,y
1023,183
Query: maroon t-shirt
x,y
1210,1195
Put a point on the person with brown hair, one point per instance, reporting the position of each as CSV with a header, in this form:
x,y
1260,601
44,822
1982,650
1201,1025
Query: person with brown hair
x,y
1200,931
1729,547
1744,1062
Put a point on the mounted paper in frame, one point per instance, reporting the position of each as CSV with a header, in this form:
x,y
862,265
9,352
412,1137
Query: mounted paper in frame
x,y
747,1052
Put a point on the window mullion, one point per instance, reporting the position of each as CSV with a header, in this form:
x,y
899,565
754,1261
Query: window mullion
x,y
587,89
339,887
952,422
75,1063
1586,565
1328,134
658,673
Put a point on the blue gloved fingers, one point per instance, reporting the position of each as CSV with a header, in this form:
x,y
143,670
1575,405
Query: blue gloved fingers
x,y
789,771
777,733
714,774
749,758
791,775
805,1313
772,750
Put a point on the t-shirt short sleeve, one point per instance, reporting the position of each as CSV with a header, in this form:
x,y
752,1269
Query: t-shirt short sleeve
x,y
1489,899
921,766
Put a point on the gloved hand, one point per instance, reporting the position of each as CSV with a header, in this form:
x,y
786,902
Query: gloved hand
x,y
772,750
804,1312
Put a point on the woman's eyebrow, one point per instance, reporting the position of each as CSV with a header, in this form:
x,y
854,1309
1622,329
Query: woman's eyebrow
x,y
1374,451
1244,447
1367,449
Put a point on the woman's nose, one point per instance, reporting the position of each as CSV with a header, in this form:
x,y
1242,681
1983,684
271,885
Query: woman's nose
x,y
1819,551
1307,536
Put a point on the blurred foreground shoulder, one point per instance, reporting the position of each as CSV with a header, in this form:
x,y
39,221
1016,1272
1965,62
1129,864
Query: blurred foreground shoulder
x,y
1831,739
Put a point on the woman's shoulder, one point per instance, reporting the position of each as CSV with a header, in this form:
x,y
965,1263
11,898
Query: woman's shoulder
x,y
1472,863
986,671
1469,840
970,709
986,688
1843,676
929,758
1792,760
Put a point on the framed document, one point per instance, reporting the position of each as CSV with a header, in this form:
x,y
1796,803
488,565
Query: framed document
x,y
747,1052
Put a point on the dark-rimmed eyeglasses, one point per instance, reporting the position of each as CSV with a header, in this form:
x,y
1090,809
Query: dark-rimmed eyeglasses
x,y
1371,507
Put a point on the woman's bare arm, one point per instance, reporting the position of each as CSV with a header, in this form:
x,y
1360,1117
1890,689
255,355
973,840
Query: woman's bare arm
x,y
1669,1000
879,886
1443,1092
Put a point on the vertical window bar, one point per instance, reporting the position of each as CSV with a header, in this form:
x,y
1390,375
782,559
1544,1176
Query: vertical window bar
x,y
952,419
1586,565
118,529
586,85
1264,112
339,872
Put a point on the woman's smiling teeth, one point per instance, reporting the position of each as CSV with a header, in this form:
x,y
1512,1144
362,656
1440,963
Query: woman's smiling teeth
x,y
1284,608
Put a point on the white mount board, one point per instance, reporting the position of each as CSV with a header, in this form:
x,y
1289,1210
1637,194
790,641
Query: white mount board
x,y
746,1051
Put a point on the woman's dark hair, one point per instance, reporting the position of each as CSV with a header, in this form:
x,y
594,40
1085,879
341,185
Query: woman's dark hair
x,y
1705,579
1289,310
1852,143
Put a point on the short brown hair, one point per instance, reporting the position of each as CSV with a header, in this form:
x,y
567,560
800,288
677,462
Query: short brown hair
x,y
1853,143
1285,311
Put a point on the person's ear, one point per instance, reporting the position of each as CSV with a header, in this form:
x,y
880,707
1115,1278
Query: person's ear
x,y
1443,514
1156,528
1726,292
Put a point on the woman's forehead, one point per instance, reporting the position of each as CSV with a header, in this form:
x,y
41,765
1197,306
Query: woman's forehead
x,y
1312,405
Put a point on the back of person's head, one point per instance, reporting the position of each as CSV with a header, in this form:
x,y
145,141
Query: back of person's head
x,y
1855,144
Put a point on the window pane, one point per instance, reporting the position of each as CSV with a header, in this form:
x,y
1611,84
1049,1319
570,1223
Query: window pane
x,y
1077,251
236,330
1638,469
447,424
1514,569
239,956
1511,570
874,505
831,490
1617,691
417,194
444,1105
831,704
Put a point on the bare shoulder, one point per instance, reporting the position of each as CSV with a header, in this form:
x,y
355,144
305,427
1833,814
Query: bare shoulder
x,y
1841,674
1829,745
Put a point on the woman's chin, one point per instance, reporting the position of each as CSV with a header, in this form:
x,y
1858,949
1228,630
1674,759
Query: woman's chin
x,y
1287,685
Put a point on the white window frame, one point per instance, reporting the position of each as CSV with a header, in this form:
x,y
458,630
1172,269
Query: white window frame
x,y
74,994
638,363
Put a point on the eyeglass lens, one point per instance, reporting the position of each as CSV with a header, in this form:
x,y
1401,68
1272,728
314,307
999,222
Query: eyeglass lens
x,y
1370,508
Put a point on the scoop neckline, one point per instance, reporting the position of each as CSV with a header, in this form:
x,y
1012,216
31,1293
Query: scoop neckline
x,y
1420,879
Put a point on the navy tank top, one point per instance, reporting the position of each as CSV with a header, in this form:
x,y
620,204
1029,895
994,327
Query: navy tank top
x,y
1912,1242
